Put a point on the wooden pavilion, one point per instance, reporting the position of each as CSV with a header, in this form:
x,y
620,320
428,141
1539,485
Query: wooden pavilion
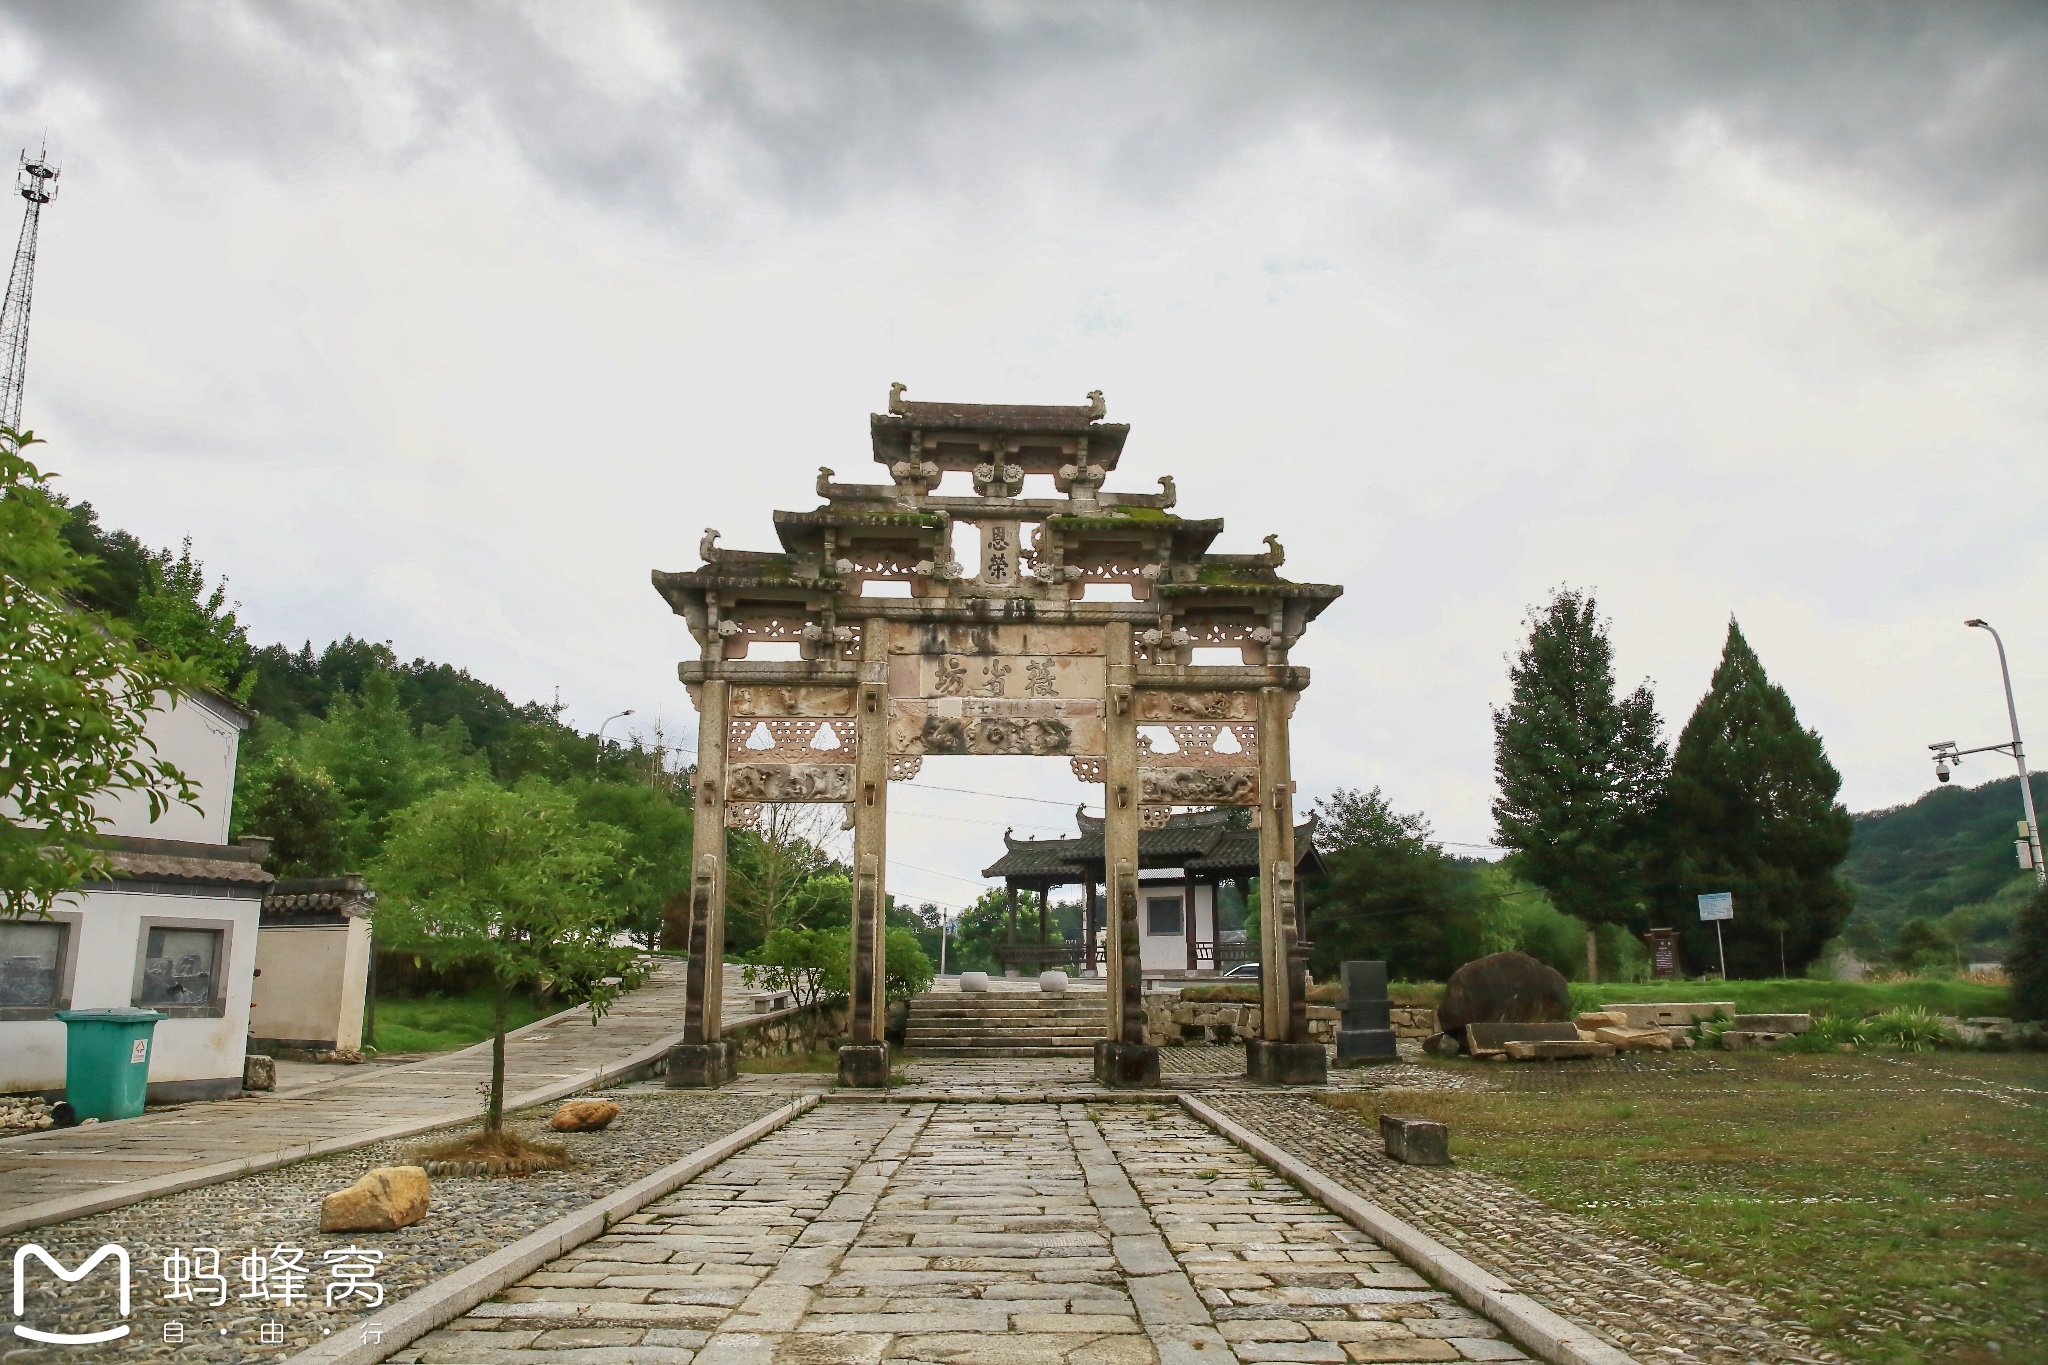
x,y
1184,863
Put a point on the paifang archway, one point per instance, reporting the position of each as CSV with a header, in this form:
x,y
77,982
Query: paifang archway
x,y
1012,660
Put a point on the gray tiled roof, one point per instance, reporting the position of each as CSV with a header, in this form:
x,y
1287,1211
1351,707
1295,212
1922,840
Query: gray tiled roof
x,y
1205,842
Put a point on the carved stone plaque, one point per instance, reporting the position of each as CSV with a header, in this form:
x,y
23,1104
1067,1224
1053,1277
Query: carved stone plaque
x,y
759,700
789,782
1042,676
933,638
1198,786
981,725
1162,707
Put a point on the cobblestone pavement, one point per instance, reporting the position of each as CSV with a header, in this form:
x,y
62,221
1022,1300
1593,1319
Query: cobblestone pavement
x,y
983,1233
100,1158
469,1218
1607,1280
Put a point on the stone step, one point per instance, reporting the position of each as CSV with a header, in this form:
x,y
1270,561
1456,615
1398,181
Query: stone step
x,y
980,1035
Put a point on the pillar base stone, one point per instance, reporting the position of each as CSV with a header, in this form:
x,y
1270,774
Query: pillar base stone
x,y
864,1066
700,1066
1134,1065
1366,1046
1285,1063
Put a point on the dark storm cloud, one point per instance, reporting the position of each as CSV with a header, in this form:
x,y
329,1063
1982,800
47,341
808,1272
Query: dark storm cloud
x,y
806,106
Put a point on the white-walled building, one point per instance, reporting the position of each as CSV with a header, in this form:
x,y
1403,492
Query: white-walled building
x,y
1187,867
174,930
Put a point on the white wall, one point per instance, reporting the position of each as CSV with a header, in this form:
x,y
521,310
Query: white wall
x,y
312,984
109,946
201,736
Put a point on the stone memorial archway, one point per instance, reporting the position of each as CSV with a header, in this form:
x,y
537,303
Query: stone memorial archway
x,y
1015,659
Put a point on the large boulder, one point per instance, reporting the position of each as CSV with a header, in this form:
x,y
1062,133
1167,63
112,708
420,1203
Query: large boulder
x,y
1505,988
384,1200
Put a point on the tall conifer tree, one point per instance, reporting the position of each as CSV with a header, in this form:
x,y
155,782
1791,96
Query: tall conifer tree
x,y
1751,809
1579,771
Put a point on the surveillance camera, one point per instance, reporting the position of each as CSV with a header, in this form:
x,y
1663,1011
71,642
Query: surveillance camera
x,y
1941,772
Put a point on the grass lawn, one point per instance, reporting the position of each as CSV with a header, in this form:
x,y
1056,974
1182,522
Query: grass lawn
x,y
795,1063
1896,1203
442,1023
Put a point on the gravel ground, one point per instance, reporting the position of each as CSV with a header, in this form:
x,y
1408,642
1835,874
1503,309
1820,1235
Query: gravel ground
x,y
469,1219
1607,1280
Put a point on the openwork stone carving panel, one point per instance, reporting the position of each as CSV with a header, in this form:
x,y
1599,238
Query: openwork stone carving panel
x,y
1195,745
796,739
1089,769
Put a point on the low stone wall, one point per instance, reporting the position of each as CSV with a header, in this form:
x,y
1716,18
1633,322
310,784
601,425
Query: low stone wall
x,y
816,1028
1170,1020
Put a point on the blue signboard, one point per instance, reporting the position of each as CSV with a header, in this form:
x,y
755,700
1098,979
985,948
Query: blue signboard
x,y
1717,905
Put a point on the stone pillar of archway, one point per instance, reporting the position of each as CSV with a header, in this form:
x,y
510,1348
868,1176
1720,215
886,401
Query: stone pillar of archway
x,y
865,1060
704,1058
1283,1054
1123,1057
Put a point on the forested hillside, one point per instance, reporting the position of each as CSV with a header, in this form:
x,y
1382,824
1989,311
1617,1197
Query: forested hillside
x,y
1946,858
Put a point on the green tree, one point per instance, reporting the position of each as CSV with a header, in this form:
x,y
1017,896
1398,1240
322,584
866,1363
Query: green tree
x,y
177,611
2027,964
1579,772
906,971
1387,892
1751,809
75,696
377,761
811,964
512,882
771,868
1924,948
298,807
980,931
655,876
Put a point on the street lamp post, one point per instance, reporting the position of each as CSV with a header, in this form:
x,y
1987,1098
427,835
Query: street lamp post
x,y
599,765
1947,755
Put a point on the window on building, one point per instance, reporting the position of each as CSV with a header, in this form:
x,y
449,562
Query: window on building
x,y
181,969
1163,915
32,960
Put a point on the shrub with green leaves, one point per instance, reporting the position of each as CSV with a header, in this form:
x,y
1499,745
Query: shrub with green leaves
x,y
811,964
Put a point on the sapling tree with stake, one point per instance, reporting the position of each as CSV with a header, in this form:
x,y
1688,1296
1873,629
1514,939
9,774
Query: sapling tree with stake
x,y
512,882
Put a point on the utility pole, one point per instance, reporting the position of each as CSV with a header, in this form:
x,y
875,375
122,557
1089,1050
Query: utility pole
x,y
37,182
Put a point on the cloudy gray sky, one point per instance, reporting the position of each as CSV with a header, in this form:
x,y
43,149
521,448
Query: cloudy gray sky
x,y
445,324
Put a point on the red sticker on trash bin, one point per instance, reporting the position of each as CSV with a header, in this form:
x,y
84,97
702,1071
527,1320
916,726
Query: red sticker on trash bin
x,y
141,1052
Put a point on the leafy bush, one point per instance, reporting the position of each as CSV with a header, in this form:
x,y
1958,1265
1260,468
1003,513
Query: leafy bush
x,y
906,971
808,963
1910,1028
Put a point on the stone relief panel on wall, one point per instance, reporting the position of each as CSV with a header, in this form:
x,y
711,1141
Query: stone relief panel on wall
x,y
977,725
1162,707
1198,786
758,700
790,782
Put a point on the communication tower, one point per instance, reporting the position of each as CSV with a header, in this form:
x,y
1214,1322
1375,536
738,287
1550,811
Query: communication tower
x,y
37,181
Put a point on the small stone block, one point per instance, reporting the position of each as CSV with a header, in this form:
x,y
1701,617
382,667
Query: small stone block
x,y
1485,1040
1668,1012
1634,1039
1774,1023
1285,1063
1129,1065
699,1066
1599,1019
1415,1141
259,1073
1519,1051
864,1066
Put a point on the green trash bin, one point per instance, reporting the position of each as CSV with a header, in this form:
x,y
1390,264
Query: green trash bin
x,y
106,1060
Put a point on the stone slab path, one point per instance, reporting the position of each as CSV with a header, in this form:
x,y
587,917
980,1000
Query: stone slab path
x,y
984,1233
63,1173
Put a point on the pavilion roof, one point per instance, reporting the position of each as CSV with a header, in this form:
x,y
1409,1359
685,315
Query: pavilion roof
x,y
1208,842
